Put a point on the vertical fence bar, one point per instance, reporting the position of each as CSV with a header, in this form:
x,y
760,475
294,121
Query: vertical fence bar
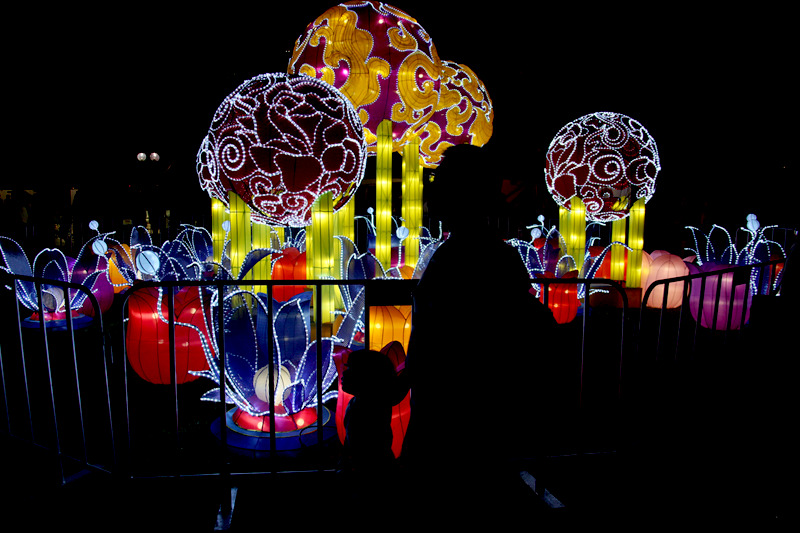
x,y
173,373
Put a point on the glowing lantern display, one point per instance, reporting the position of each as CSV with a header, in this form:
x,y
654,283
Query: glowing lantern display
x,y
464,114
607,159
389,323
666,266
290,265
279,142
562,298
400,412
380,58
147,337
731,298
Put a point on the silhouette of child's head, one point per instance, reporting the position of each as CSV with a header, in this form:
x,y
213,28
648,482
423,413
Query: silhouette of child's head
x,y
369,374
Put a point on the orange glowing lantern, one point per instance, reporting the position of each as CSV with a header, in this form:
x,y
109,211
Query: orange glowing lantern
x,y
665,266
389,323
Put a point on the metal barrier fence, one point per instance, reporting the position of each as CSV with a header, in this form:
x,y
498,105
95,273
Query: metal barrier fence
x,y
596,349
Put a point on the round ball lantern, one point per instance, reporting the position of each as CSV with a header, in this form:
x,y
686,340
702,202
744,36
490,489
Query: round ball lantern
x,y
464,115
380,58
606,159
666,266
279,142
290,265
147,336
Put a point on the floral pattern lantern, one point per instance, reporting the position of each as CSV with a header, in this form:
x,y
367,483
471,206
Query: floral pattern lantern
x,y
279,142
380,58
606,159
665,266
731,298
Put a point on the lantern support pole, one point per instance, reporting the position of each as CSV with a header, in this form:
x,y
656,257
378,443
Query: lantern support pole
x,y
412,201
383,195
241,234
219,214
636,244
618,231
319,253
344,226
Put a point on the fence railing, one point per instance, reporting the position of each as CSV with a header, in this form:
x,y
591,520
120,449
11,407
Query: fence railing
x,y
606,334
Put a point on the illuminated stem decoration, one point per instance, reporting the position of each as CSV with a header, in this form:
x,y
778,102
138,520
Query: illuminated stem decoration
x,y
240,236
319,251
412,201
383,194
344,226
636,244
618,229
572,223
262,238
219,214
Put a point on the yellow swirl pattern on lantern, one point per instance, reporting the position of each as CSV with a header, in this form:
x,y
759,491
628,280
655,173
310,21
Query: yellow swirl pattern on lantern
x,y
400,39
415,103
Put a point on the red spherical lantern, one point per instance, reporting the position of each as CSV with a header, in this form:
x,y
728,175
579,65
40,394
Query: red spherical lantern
x,y
290,265
607,159
147,337
562,298
280,142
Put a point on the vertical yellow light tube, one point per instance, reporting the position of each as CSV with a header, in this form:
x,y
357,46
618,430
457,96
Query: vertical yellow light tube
x,y
262,238
219,214
383,195
343,225
411,210
319,255
636,242
241,237
577,224
618,230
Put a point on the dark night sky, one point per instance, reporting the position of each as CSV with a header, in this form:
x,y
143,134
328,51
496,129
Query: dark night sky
x,y
713,88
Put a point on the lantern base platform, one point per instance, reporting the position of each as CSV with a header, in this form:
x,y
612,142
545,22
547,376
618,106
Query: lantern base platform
x,y
78,322
259,441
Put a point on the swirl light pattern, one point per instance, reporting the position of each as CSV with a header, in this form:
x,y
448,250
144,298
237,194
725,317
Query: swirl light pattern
x,y
608,160
380,58
464,114
280,141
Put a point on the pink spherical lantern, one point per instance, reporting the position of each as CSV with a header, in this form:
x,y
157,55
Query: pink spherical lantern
x,y
380,58
607,159
731,299
279,142
663,267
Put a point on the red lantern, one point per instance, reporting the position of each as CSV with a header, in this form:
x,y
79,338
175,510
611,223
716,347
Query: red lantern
x,y
290,265
147,338
665,266
562,299
400,412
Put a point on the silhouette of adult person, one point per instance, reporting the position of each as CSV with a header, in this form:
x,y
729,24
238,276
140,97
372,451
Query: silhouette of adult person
x,y
472,353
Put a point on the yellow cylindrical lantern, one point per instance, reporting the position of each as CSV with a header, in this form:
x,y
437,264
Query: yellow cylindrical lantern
x,y
240,235
572,226
219,214
412,201
262,238
319,252
618,230
343,225
383,195
636,243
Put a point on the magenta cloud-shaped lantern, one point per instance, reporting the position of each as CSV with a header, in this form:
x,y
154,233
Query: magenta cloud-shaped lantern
x,y
608,160
280,141
380,58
